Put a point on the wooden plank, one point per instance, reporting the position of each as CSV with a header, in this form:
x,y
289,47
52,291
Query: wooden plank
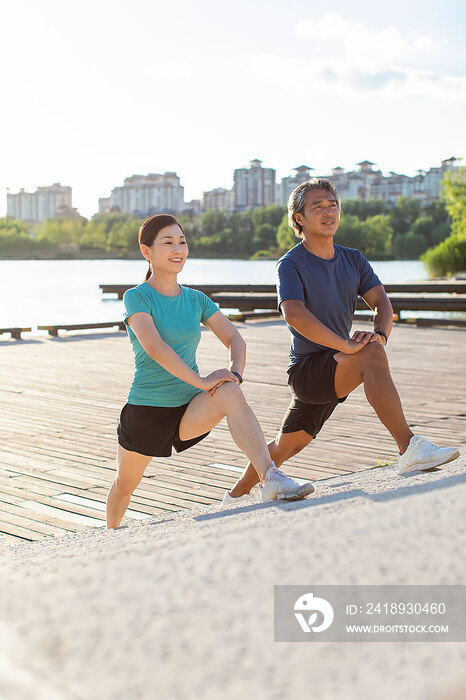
x,y
10,539
15,332
53,330
428,302
17,500
461,322
18,531
454,286
25,518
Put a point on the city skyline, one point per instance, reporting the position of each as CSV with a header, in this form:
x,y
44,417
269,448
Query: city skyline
x,y
200,90
203,191
253,186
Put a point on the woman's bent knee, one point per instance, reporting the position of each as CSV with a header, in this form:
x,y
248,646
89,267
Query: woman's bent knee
x,y
229,392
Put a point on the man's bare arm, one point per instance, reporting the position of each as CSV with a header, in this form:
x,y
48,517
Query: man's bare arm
x,y
379,302
302,320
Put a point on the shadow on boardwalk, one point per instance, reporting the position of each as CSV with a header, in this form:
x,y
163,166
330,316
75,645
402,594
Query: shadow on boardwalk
x,y
313,502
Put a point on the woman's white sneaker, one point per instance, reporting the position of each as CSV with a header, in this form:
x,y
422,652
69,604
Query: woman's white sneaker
x,y
422,454
278,486
229,500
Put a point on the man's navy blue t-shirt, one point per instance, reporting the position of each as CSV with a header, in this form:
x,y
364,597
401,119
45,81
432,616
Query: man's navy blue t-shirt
x,y
328,288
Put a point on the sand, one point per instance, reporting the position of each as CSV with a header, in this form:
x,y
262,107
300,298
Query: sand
x,y
181,606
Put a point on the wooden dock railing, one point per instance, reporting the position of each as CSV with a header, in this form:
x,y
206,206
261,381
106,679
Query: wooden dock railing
x,y
455,287
15,332
248,298
405,297
53,330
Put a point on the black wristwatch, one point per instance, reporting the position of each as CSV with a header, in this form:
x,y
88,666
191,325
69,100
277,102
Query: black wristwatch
x,y
237,374
383,334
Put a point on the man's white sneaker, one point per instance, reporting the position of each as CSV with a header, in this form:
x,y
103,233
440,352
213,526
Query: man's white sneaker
x,y
422,454
229,500
278,486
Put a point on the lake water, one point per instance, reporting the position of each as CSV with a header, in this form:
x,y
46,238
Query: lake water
x,y
46,292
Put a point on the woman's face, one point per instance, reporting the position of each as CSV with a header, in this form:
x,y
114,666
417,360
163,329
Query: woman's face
x,y
169,250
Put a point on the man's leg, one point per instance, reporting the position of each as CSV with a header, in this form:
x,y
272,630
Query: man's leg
x,y
282,448
370,366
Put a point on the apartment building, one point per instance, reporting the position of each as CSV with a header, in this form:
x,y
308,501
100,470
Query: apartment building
x,y
253,186
146,194
45,203
219,198
284,188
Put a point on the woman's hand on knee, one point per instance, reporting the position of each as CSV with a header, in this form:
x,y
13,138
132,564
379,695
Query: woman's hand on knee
x,y
212,391
215,379
227,393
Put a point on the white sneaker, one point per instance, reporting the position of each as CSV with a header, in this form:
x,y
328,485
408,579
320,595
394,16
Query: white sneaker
x,y
422,454
229,500
278,486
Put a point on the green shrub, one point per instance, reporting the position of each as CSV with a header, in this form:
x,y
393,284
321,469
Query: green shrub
x,y
286,237
409,246
448,257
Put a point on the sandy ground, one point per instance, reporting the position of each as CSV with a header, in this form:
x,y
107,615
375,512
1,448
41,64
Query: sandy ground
x,y
181,606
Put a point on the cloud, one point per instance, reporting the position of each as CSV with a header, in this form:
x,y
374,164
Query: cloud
x,y
361,47
423,44
377,81
347,58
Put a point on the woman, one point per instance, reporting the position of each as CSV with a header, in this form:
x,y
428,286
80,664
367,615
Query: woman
x,y
169,404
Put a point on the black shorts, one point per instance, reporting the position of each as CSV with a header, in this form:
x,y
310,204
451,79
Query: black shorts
x,y
312,384
153,430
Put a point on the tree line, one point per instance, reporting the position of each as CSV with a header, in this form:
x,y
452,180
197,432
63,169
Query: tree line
x,y
380,230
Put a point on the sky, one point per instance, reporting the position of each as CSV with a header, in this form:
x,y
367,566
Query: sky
x,y
95,91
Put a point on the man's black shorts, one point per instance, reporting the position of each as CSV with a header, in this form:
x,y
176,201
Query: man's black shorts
x,y
312,384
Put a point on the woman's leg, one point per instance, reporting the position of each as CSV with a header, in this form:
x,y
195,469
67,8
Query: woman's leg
x,y
131,466
205,412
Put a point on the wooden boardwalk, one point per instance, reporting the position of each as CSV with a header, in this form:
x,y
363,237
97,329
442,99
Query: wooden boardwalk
x,y
60,399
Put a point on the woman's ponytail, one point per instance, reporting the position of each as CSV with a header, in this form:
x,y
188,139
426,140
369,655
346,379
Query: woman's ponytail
x,y
148,273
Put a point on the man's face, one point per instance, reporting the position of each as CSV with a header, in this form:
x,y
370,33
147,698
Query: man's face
x,y
320,216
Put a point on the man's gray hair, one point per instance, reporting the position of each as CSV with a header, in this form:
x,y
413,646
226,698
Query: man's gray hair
x,y
297,199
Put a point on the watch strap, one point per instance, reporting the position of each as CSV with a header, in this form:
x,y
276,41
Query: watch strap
x,y
383,334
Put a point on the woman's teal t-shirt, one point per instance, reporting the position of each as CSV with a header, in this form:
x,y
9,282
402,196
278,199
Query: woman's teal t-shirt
x,y
177,320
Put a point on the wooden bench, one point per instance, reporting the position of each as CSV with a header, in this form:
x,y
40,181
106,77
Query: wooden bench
x,y
53,330
427,302
15,332
246,315
454,287
458,322
208,289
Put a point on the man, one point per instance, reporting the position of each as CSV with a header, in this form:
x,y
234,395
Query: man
x,y
318,283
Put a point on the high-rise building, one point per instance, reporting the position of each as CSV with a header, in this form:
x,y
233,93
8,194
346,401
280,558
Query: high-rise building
x,y
434,176
288,184
104,205
146,194
219,198
193,207
253,186
44,203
